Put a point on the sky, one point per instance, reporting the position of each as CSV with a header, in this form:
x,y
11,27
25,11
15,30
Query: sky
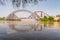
x,y
51,7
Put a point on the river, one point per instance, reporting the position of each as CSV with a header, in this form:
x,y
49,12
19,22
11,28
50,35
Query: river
x,y
29,30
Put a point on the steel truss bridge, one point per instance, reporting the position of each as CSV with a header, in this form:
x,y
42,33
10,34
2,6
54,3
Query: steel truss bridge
x,y
34,15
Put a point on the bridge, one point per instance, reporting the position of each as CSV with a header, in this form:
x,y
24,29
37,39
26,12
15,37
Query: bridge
x,y
34,15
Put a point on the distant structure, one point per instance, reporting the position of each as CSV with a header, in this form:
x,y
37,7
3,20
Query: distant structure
x,y
38,14
34,15
12,17
56,17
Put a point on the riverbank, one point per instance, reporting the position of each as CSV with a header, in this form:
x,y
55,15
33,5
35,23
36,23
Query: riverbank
x,y
49,19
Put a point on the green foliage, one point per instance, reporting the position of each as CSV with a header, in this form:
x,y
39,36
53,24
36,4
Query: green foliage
x,y
50,18
44,19
2,19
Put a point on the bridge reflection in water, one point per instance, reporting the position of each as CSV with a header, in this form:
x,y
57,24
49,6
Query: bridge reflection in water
x,y
25,26
29,30
31,24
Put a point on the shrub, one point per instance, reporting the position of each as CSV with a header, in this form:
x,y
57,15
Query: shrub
x,y
44,19
50,18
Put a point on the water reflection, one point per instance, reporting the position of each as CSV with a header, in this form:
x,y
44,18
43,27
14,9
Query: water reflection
x,y
25,27
38,30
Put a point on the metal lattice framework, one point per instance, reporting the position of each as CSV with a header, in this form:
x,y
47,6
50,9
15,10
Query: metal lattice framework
x,y
34,15
37,16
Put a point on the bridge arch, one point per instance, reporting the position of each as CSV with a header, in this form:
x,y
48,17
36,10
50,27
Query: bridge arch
x,y
22,11
12,15
34,15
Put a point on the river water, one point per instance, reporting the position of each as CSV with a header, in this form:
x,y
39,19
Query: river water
x,y
29,30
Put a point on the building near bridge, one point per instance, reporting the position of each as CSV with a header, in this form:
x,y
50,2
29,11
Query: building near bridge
x,y
56,17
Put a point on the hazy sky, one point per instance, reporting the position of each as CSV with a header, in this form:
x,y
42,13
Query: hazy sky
x,y
52,7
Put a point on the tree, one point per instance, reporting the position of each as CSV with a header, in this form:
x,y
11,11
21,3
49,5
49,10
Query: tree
x,y
51,18
44,19
17,3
